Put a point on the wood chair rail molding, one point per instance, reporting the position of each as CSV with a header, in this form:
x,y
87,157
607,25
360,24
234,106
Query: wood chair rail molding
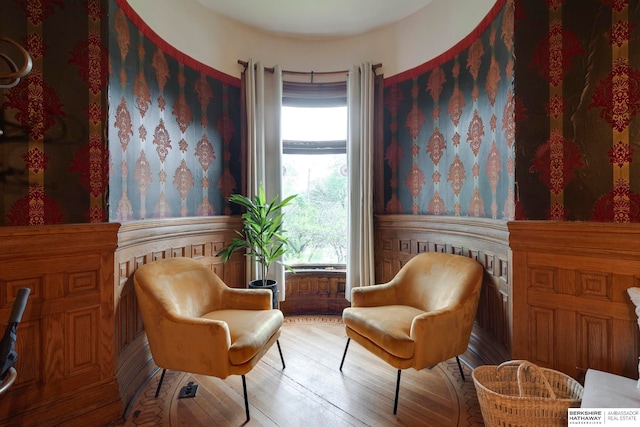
x,y
459,229
400,237
140,242
66,373
571,310
585,238
35,242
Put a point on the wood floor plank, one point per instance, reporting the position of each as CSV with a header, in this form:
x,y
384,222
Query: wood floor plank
x,y
312,391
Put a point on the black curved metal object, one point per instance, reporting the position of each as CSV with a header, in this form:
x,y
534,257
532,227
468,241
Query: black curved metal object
x,y
10,79
8,354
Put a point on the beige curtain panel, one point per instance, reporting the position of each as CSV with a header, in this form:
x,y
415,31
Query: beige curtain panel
x,y
264,163
360,262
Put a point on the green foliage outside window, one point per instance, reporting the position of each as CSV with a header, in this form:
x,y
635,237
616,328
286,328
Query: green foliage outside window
x,y
316,220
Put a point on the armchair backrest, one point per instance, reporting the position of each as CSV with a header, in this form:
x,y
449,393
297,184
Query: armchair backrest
x,y
433,281
182,286
173,294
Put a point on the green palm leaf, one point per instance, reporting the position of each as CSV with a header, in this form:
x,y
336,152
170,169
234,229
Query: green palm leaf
x,y
262,236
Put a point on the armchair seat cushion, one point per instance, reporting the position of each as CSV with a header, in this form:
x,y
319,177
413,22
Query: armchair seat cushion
x,y
249,330
389,327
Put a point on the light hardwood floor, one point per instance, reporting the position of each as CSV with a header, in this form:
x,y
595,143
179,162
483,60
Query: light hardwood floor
x,y
311,391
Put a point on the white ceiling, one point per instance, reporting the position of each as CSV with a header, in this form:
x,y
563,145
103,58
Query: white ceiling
x,y
315,18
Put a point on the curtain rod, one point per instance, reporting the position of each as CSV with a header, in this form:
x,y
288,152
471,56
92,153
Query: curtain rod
x,y
374,67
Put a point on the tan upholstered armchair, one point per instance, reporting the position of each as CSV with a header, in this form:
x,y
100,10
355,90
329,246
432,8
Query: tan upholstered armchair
x,y
196,323
422,317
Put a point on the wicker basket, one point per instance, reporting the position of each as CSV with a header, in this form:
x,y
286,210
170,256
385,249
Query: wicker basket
x,y
519,393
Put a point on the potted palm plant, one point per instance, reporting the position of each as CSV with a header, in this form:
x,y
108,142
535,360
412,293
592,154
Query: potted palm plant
x,y
262,236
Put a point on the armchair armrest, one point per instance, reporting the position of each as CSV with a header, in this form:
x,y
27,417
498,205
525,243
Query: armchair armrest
x,y
373,296
190,344
246,299
434,337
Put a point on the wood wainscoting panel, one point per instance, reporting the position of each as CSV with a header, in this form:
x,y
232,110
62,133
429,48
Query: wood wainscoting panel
x,y
141,242
315,291
594,336
400,237
571,311
542,323
82,343
66,368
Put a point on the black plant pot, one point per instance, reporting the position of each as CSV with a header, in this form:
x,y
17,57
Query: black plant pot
x,y
271,284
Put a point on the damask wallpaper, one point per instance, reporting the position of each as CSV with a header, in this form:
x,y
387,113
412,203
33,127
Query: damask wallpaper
x,y
534,115
449,128
174,128
112,123
578,99
53,157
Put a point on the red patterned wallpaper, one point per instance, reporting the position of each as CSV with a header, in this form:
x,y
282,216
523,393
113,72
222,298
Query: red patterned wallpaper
x,y
53,157
578,98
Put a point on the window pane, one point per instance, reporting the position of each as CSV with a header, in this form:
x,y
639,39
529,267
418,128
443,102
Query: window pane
x,y
316,221
314,124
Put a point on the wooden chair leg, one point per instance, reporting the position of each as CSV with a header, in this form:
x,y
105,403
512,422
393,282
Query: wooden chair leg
x,y
395,404
460,367
246,399
160,382
345,352
280,351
